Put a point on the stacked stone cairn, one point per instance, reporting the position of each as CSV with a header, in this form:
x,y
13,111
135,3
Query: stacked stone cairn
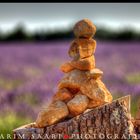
x,y
81,87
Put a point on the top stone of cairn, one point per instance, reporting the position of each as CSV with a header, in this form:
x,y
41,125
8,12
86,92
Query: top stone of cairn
x,y
84,29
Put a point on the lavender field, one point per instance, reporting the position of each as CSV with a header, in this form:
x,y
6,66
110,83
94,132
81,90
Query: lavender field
x,y
29,73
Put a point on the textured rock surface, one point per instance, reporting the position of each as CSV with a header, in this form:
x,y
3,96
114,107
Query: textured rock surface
x,y
87,63
84,28
78,104
96,90
53,113
74,51
81,64
93,89
81,48
109,121
72,80
63,95
94,73
66,67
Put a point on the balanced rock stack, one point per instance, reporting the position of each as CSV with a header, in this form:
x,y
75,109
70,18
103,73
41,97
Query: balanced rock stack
x,y
81,87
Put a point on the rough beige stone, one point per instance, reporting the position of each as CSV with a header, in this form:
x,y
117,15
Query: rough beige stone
x,y
81,64
86,47
92,88
63,95
81,48
72,80
66,67
78,104
94,103
94,73
84,63
74,50
84,28
53,113
96,90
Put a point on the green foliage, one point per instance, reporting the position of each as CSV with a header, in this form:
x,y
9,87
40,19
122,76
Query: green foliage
x,y
28,98
116,96
32,71
133,78
9,84
10,121
103,33
134,105
133,108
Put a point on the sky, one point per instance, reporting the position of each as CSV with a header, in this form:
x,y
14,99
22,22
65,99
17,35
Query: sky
x,y
51,16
